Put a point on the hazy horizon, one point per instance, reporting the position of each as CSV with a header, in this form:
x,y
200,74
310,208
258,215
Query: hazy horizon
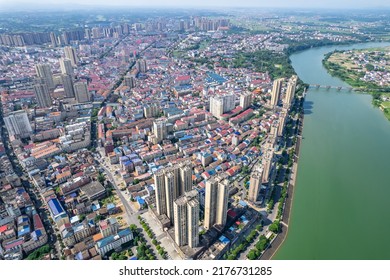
x,y
330,4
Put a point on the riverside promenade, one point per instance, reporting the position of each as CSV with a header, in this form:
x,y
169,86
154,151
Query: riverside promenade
x,y
278,241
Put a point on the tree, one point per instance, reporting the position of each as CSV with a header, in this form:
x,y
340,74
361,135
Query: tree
x,y
370,67
275,226
271,204
133,228
101,178
114,256
376,95
39,253
262,243
98,218
122,257
252,255
245,170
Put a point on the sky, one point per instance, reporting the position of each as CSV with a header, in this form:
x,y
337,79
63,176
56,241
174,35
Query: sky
x,y
332,4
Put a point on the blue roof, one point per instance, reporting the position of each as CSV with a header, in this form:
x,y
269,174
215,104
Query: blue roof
x,y
95,207
242,203
38,233
59,158
224,239
186,137
22,219
110,206
140,200
79,256
55,206
213,77
109,239
134,258
183,87
211,172
23,231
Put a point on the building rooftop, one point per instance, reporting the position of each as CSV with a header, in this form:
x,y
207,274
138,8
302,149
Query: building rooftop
x,y
112,238
55,207
93,189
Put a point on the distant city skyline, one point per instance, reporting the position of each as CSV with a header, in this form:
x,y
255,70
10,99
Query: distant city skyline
x,y
331,4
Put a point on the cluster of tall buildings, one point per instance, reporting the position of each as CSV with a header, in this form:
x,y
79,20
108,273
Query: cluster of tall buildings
x,y
220,104
70,53
263,173
141,65
290,92
64,38
160,129
176,198
255,182
129,81
23,39
216,203
186,219
171,183
277,89
44,83
18,124
245,100
207,24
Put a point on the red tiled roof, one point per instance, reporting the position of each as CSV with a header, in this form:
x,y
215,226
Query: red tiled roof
x,y
183,78
37,222
3,228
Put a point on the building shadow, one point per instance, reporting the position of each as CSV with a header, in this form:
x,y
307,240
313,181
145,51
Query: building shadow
x,y
307,107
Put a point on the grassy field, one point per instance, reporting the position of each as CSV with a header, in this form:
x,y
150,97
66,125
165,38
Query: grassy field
x,y
343,59
386,104
342,65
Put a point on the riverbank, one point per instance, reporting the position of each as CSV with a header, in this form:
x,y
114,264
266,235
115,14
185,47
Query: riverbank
x,y
353,67
285,219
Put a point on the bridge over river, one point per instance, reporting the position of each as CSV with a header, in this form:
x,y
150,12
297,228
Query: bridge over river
x,y
339,88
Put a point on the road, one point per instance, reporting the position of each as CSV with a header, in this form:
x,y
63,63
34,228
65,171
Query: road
x,y
131,215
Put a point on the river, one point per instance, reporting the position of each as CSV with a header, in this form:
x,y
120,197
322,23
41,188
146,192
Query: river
x,y
341,202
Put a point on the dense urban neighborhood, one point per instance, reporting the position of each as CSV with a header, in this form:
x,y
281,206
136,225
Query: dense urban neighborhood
x,y
165,138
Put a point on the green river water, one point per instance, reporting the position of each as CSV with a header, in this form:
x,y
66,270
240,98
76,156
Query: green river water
x,y
341,207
